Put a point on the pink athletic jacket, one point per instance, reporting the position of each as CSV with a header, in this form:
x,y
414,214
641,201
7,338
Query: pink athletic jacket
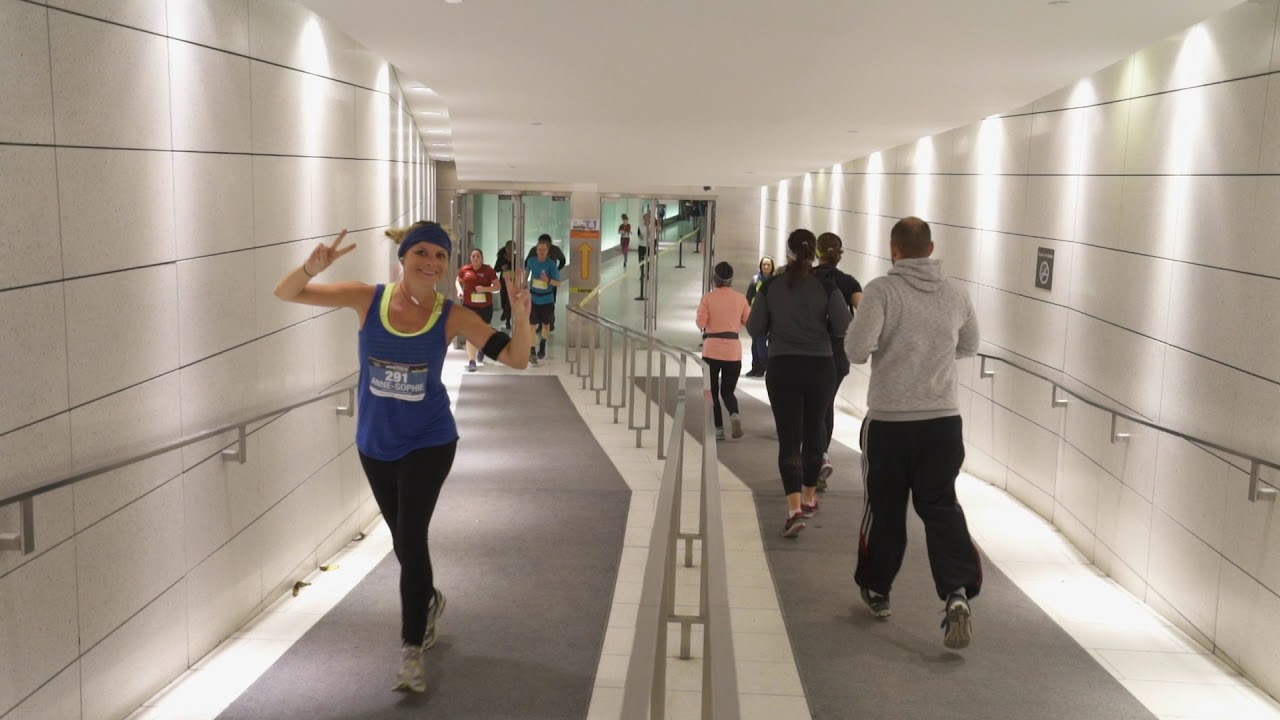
x,y
723,310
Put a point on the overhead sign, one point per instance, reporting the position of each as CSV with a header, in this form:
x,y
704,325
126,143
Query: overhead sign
x,y
1044,269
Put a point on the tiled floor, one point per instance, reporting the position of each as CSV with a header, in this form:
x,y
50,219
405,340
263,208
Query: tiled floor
x,y
1161,666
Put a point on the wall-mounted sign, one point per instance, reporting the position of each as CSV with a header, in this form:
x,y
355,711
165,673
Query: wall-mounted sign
x,y
1044,269
559,198
584,245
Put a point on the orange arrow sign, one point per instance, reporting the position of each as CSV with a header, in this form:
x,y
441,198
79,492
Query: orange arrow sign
x,y
584,260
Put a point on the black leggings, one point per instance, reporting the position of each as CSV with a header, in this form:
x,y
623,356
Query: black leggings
x,y
842,371
799,392
723,389
406,491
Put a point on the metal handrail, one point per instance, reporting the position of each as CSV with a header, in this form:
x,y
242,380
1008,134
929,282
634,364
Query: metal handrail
x,y
24,539
645,689
1258,488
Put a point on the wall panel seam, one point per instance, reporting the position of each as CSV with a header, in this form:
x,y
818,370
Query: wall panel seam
x,y
180,368
55,145
224,51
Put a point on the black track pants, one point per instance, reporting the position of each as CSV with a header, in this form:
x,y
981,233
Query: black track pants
x,y
920,459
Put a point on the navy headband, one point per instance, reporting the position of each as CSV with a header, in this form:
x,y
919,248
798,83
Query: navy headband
x,y
431,233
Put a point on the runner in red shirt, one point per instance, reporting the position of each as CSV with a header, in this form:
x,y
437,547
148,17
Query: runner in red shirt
x,y
476,281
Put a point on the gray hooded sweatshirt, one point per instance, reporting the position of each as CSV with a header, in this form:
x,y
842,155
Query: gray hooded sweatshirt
x,y
913,323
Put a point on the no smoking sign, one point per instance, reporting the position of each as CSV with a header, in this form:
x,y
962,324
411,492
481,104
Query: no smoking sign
x,y
1044,269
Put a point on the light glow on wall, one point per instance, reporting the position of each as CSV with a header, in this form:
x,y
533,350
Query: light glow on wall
x,y
835,217
924,179
315,57
784,205
990,152
764,217
873,198
1080,139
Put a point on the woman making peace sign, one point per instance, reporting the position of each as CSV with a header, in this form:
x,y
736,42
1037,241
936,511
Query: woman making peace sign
x,y
405,431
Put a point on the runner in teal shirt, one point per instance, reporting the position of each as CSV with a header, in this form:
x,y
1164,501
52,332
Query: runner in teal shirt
x,y
544,278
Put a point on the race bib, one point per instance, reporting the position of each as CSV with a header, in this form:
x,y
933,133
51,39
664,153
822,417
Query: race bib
x,y
479,297
541,284
397,380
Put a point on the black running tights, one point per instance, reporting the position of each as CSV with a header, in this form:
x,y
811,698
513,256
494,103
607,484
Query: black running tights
x,y
406,491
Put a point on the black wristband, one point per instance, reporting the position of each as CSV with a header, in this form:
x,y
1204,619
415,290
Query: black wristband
x,y
496,342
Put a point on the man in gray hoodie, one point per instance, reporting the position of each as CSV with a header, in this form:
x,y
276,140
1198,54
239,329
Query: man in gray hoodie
x,y
913,323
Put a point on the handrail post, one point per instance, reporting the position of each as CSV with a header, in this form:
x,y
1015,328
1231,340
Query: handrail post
x,y
662,404
1257,489
673,539
1116,436
349,409
608,372
631,383
983,372
1057,401
575,320
622,383
648,392
589,379
24,540
240,454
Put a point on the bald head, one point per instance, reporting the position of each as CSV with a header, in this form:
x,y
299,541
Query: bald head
x,y
910,238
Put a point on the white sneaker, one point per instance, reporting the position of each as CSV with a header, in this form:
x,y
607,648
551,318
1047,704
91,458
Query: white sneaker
x,y
411,677
735,424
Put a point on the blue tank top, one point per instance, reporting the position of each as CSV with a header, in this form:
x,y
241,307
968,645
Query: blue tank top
x,y
403,402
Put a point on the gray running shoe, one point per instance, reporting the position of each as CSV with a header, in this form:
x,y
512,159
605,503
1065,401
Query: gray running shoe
x,y
957,623
879,604
411,677
735,426
824,474
433,613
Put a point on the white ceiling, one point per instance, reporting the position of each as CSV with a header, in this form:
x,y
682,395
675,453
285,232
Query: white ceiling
x,y
730,92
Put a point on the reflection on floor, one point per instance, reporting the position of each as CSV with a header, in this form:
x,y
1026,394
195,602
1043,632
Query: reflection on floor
x,y
1167,671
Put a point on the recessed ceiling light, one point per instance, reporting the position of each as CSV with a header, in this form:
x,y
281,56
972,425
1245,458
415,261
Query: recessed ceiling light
x,y
422,88
454,2
437,132
439,144
430,112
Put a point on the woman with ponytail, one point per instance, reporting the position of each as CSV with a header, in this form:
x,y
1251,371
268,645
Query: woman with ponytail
x,y
405,432
799,312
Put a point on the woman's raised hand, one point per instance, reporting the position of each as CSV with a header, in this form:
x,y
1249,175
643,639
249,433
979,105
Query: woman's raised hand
x,y
518,291
324,255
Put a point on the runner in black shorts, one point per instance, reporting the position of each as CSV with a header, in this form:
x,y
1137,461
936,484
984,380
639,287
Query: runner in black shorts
x,y
544,278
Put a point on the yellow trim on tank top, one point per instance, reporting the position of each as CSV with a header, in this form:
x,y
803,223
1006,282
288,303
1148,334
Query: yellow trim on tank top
x,y
385,313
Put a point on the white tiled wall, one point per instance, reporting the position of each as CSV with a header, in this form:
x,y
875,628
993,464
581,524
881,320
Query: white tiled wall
x,y
1144,178
162,164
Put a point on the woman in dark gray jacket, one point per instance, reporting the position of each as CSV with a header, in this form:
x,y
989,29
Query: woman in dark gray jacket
x,y
799,312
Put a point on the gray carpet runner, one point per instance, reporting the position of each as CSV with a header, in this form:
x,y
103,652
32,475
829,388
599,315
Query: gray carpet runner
x,y
525,542
1021,664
